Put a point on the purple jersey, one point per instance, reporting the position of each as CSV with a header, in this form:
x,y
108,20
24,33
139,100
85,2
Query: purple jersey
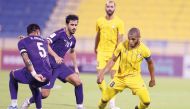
x,y
60,43
37,49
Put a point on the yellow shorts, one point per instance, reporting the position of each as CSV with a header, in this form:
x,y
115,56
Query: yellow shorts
x,y
103,58
136,84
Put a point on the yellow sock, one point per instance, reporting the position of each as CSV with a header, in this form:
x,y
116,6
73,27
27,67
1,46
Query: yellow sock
x,y
102,86
142,106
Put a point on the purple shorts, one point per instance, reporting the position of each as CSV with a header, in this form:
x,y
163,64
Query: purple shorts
x,y
60,72
25,77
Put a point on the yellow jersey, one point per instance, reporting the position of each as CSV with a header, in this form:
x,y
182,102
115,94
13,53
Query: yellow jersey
x,y
131,59
109,30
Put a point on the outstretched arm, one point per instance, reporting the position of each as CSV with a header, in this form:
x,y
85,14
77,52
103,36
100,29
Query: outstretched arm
x,y
151,70
74,59
106,69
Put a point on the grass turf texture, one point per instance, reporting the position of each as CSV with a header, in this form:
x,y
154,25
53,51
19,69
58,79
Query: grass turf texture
x,y
169,93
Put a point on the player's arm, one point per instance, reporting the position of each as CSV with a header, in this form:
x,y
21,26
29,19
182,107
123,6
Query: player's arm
x,y
97,40
151,70
106,69
58,59
121,32
120,38
74,59
30,67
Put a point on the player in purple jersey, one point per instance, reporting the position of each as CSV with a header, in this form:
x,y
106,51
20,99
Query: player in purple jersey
x,y
59,43
37,70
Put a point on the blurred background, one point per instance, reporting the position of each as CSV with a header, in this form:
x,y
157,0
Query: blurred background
x,y
164,26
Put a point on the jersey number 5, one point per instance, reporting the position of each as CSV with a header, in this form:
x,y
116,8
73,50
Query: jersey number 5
x,y
41,49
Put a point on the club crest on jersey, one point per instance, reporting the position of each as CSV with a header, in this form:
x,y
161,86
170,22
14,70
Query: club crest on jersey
x,y
67,44
139,56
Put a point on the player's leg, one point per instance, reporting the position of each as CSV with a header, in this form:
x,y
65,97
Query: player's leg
x,y
68,75
136,84
22,76
144,98
115,86
107,95
45,90
37,96
13,88
77,83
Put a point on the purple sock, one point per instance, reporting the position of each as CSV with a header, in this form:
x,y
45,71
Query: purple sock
x,y
37,97
31,100
13,86
79,94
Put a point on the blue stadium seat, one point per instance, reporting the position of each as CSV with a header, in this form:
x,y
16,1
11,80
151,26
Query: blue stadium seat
x,y
17,14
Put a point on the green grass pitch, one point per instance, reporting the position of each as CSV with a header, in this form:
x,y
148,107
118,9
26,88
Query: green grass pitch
x,y
169,93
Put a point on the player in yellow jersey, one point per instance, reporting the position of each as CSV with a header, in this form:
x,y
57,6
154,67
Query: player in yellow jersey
x,y
131,54
110,30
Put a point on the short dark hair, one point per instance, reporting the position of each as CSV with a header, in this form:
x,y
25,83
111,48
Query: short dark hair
x,y
133,31
32,27
71,17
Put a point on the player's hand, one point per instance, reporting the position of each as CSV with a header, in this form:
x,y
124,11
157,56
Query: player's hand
x,y
21,37
58,60
77,70
39,77
95,51
152,83
100,78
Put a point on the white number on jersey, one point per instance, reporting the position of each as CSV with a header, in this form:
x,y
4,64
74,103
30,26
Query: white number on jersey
x,y
41,49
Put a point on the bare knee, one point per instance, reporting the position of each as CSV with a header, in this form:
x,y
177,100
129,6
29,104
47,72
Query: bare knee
x,y
45,93
77,82
74,80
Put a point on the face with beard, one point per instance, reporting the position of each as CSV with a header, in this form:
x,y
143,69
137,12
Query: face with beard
x,y
72,26
134,37
110,8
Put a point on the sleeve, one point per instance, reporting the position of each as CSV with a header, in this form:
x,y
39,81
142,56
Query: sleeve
x,y
21,47
55,36
118,50
146,53
97,26
121,28
74,43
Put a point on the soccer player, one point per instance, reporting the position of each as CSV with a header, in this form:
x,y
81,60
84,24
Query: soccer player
x,y
37,70
59,43
131,53
110,31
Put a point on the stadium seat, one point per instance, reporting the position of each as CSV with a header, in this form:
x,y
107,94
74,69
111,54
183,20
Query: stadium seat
x,y
17,14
